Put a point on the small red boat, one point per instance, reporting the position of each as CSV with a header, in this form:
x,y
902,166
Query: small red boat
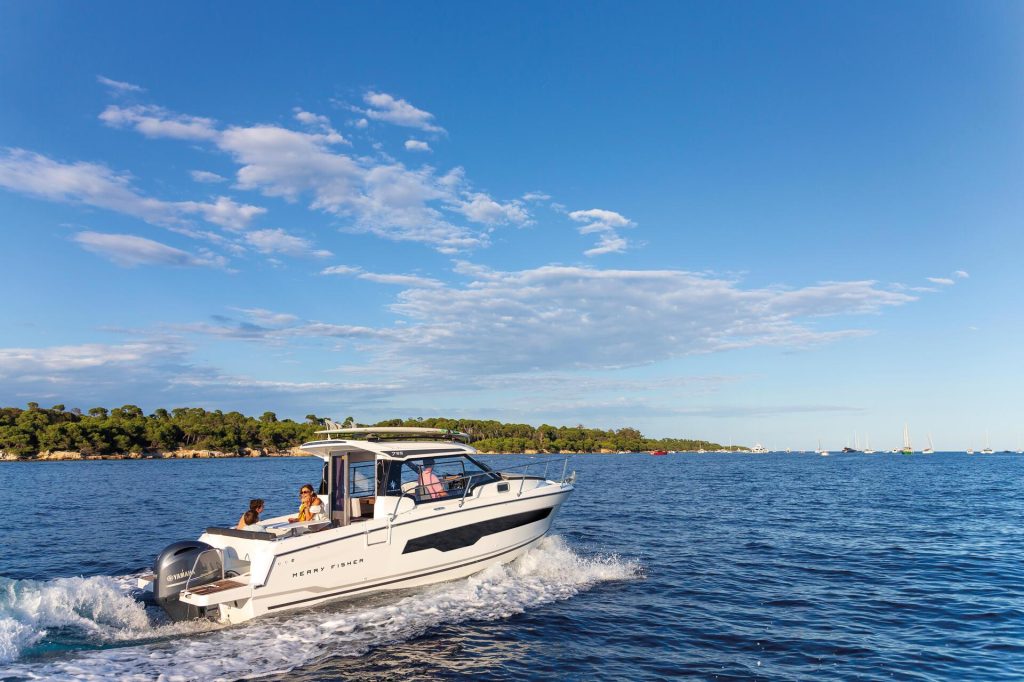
x,y
659,452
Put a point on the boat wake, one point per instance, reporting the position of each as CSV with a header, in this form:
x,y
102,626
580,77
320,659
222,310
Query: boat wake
x,y
120,638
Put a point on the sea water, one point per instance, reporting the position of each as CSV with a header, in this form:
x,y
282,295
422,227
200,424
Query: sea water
x,y
774,567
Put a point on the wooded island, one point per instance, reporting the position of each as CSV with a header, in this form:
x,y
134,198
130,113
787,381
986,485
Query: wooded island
x,y
37,433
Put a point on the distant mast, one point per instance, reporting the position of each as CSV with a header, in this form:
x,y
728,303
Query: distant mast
x,y
907,450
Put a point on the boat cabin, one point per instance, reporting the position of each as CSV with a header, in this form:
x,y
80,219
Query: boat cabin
x,y
396,466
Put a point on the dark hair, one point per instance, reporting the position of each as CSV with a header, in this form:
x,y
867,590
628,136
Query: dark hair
x,y
254,505
250,517
312,490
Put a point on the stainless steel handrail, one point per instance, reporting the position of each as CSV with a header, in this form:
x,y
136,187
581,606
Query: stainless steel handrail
x,y
192,573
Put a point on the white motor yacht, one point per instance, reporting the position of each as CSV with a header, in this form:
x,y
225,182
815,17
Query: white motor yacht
x,y
401,507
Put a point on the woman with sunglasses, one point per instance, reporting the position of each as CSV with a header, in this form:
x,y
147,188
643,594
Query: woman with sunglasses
x,y
310,508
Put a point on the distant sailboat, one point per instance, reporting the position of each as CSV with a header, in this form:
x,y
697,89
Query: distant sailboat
x,y
823,453
907,450
987,450
867,446
970,451
930,450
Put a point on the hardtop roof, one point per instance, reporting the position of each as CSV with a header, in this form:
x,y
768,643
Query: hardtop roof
x,y
387,449
391,432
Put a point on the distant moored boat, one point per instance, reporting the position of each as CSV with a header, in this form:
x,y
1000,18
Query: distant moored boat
x,y
907,450
987,450
930,450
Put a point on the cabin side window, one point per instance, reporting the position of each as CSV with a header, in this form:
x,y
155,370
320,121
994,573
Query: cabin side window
x,y
362,479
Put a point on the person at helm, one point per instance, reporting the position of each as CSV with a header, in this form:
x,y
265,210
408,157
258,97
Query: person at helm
x,y
430,484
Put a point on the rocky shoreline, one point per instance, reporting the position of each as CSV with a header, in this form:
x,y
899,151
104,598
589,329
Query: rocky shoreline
x,y
72,456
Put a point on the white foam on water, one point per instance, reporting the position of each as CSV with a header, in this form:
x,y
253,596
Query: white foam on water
x,y
99,608
550,572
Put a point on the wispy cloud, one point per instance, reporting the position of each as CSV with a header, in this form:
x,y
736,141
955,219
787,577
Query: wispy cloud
x,y
154,121
278,241
68,357
321,124
382,278
558,316
960,274
417,146
207,176
605,224
98,186
384,107
384,198
131,251
481,208
940,280
119,86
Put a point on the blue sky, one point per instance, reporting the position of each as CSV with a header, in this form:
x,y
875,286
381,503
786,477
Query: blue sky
x,y
771,222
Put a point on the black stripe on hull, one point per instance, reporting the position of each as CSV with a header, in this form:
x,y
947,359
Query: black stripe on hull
x,y
467,536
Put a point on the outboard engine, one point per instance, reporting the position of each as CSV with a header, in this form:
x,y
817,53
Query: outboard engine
x,y
177,566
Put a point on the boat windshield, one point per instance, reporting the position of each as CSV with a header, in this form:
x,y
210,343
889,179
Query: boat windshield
x,y
433,478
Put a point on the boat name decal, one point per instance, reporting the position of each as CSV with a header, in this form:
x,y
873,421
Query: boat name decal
x,y
322,569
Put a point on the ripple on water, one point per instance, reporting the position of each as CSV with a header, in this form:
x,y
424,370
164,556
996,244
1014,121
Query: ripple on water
x,y
725,567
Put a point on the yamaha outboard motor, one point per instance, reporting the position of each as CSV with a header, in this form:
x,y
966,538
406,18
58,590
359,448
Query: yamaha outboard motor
x,y
174,569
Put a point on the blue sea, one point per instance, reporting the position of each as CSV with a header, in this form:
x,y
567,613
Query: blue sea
x,y
713,567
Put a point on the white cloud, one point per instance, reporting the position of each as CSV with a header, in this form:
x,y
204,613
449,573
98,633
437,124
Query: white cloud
x,y
321,123
608,243
266,317
130,251
380,278
536,196
480,208
599,220
206,176
160,373
119,86
98,186
224,212
561,319
417,145
381,198
279,241
154,121
604,223
287,163
384,107
558,317
26,362
341,270
940,280
960,274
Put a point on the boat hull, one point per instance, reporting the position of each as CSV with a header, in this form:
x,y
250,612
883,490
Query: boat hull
x,y
430,544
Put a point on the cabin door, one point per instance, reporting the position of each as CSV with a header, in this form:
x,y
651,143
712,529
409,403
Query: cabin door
x,y
338,486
